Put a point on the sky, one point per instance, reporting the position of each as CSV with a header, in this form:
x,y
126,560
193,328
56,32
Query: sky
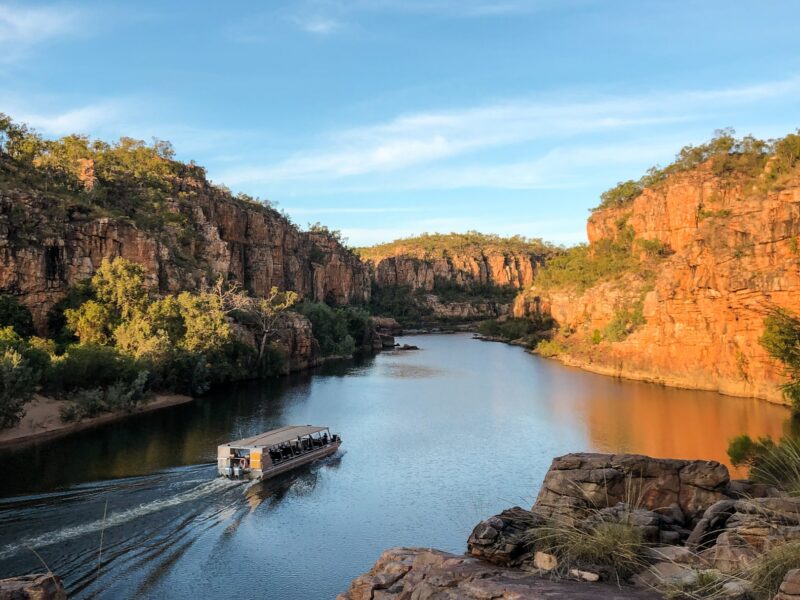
x,y
389,118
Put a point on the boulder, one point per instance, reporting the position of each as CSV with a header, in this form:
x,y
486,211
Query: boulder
x,y
579,484
732,534
32,587
790,586
501,539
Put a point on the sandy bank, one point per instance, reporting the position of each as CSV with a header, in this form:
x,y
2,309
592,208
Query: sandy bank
x,y
42,420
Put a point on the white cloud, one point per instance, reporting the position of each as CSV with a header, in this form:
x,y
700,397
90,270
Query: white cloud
x,y
22,27
426,138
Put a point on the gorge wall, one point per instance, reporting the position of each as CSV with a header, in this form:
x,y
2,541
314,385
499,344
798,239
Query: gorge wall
x,y
457,276
728,254
47,246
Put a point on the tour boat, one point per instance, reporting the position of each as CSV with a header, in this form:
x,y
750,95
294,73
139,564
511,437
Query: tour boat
x,y
274,452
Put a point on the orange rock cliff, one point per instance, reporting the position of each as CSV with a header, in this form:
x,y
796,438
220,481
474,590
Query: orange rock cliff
x,y
730,255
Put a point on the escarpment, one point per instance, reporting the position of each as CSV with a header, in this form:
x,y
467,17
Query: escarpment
x,y
711,256
48,244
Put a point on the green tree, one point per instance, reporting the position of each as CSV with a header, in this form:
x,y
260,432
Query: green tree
x,y
93,322
17,383
15,315
120,284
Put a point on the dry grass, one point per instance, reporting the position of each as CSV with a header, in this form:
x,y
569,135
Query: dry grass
x,y
771,567
615,548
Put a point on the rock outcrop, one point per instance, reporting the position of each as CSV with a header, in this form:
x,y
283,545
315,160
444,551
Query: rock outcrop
x,y
729,252
46,246
423,574
32,587
666,500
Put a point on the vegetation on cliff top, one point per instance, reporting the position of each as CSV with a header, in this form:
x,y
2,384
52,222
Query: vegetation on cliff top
x,y
731,158
471,243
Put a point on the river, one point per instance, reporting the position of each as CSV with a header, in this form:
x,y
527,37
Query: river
x,y
433,441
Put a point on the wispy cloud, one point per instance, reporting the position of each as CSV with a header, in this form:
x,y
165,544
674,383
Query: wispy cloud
x,y
344,210
89,117
426,138
318,24
22,27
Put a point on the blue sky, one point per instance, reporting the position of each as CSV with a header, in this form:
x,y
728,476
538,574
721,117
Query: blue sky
x,y
387,118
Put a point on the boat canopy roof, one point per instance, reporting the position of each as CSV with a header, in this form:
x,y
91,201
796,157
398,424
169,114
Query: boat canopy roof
x,y
276,436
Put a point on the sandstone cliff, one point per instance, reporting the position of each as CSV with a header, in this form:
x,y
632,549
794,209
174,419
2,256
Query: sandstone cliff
x,y
727,252
467,276
48,245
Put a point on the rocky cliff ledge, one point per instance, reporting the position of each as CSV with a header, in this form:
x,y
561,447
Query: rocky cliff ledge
x,y
693,527
722,254
48,244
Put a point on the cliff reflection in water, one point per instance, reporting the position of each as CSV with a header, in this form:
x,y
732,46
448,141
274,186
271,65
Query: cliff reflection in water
x,y
628,416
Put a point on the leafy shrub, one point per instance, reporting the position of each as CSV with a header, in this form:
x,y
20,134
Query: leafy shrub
x,y
399,302
17,384
781,339
126,396
83,404
15,315
549,348
330,328
85,365
516,329
621,194
35,351
624,322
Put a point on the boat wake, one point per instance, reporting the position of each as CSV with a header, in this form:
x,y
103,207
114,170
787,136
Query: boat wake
x,y
117,518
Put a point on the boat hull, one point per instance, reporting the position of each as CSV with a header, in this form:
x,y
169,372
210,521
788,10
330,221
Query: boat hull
x,y
287,465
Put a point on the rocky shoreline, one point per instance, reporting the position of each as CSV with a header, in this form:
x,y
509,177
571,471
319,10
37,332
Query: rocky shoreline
x,y
694,527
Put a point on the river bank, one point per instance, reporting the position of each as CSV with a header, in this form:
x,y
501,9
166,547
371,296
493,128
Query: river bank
x,y
42,419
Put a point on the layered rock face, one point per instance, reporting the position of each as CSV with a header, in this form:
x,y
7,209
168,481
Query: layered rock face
x,y
457,277
45,249
417,270
731,254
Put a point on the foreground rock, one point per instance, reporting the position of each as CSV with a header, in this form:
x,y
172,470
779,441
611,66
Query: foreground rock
x,y
422,574
696,524
32,587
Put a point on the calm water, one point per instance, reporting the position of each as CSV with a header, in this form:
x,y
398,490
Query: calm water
x,y
434,441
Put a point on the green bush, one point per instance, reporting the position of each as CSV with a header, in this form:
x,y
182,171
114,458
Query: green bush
x,y
399,302
581,266
781,339
330,328
621,194
549,348
89,365
774,464
15,315
624,322
17,384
